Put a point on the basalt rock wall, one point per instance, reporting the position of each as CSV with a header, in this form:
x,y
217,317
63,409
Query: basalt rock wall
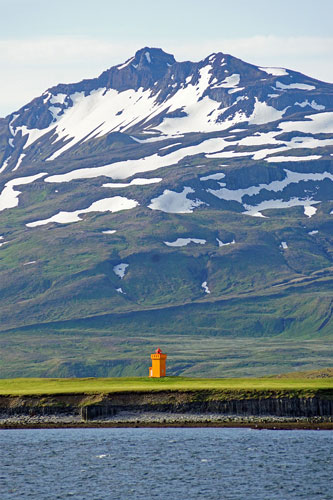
x,y
200,402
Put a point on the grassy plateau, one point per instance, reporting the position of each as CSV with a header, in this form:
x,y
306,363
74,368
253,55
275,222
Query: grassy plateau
x,y
302,385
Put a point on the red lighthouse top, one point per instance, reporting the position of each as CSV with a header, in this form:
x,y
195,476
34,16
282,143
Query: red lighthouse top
x,y
158,351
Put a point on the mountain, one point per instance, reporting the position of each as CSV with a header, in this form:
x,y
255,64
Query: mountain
x,y
167,201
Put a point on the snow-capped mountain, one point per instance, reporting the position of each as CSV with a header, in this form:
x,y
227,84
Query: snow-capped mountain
x,y
152,94
161,162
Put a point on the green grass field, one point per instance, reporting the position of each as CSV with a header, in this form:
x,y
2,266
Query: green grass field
x,y
39,386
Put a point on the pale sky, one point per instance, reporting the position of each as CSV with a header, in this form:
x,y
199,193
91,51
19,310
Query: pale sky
x,y
44,43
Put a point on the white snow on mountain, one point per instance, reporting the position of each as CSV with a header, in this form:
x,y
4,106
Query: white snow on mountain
x,y
263,113
107,110
314,124
298,86
291,177
183,242
275,186
58,98
205,287
9,197
127,63
255,211
115,204
275,71
284,245
128,168
135,182
216,177
19,161
169,145
175,203
313,104
103,111
5,164
229,82
278,159
309,211
120,269
269,138
221,244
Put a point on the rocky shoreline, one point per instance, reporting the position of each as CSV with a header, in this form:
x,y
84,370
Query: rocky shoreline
x,y
158,419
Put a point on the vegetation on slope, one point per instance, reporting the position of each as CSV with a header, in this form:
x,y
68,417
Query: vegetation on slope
x,y
300,386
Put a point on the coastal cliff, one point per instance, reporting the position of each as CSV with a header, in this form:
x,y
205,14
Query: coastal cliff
x,y
166,407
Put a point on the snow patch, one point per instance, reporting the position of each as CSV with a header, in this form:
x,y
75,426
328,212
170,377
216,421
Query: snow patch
x,y
309,211
215,177
109,231
283,245
299,86
229,82
9,198
313,104
122,66
58,99
205,287
171,145
19,161
120,269
115,204
276,204
263,113
314,124
239,89
278,159
221,244
135,182
183,242
312,233
175,203
274,71
5,164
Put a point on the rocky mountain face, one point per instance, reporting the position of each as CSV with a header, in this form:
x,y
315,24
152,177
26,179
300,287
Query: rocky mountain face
x,y
165,198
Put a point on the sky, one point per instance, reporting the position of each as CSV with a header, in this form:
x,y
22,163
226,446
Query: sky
x,y
45,43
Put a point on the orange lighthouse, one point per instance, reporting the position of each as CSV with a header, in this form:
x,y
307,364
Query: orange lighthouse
x,y
158,362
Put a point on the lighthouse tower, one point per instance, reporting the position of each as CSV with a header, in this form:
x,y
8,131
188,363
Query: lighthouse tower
x,y
158,362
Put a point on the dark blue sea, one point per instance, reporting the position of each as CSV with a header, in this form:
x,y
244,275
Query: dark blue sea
x,y
173,464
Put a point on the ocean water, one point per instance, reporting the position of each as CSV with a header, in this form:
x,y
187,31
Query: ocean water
x,y
173,464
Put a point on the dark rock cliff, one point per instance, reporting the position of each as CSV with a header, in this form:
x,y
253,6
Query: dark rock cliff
x,y
198,402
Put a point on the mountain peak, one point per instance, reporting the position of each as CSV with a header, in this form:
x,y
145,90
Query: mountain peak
x,y
151,55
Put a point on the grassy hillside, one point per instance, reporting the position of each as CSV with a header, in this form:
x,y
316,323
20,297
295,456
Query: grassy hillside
x,y
269,308
21,387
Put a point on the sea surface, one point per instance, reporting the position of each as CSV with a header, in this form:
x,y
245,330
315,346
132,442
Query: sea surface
x,y
184,464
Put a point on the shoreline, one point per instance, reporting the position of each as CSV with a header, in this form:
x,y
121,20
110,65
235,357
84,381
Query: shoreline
x,y
109,425
165,420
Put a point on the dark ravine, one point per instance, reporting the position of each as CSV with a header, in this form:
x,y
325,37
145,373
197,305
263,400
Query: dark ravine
x,y
164,408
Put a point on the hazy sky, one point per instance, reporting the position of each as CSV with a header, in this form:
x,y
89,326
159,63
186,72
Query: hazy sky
x,y
43,43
